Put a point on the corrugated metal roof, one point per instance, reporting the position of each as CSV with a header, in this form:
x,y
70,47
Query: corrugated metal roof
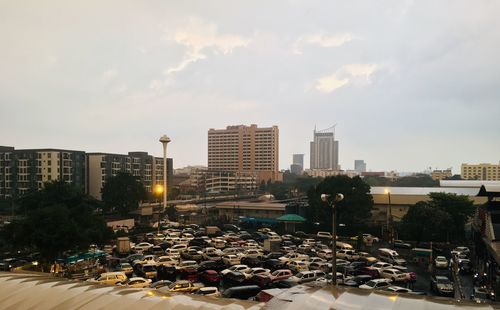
x,y
423,191
466,183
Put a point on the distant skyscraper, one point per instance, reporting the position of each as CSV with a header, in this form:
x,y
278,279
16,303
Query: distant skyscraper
x,y
298,164
325,150
359,165
245,149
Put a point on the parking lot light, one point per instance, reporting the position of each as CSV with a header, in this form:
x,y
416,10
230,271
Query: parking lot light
x,y
331,202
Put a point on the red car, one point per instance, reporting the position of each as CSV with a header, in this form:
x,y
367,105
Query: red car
x,y
190,274
281,274
209,276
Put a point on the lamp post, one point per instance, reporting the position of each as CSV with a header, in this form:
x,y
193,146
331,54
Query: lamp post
x,y
331,202
390,231
158,189
164,141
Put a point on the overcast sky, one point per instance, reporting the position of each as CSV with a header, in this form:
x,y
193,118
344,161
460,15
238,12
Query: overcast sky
x,y
410,84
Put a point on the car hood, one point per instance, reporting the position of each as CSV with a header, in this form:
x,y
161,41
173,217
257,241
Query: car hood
x,y
445,287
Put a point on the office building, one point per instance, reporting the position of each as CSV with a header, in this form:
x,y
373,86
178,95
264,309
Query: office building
x,y
297,165
147,168
360,165
324,150
441,174
485,172
245,149
25,170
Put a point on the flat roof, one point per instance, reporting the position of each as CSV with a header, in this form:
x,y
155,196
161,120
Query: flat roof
x,y
423,191
467,183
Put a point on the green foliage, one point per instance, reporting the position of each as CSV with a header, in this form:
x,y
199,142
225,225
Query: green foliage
x,y
122,193
353,211
442,218
58,218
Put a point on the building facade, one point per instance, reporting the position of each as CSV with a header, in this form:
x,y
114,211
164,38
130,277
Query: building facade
x,y
360,165
25,170
484,172
437,175
147,168
297,166
245,149
324,150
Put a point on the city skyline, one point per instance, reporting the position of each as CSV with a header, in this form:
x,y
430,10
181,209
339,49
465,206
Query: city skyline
x,y
411,87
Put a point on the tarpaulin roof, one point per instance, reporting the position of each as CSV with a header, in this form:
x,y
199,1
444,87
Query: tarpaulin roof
x,y
291,218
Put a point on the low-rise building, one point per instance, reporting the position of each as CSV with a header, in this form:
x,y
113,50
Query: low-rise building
x,y
483,172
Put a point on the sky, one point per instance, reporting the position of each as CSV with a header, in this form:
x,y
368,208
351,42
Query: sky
x,y
410,84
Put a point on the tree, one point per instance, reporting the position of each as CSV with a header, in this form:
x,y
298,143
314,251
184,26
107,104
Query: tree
x,y
353,211
172,213
442,218
58,218
122,193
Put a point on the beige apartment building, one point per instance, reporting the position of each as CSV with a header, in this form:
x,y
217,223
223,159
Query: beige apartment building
x,y
245,149
484,172
437,175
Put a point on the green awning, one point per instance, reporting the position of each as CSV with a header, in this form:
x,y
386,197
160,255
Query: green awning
x,y
291,218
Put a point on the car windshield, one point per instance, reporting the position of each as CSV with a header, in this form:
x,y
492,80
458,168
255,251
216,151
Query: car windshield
x,y
443,280
299,275
371,283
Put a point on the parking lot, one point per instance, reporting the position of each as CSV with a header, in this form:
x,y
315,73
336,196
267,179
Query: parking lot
x,y
239,264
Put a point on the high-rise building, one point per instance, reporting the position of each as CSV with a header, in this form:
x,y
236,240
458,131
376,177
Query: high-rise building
x,y
246,149
297,165
147,168
359,165
22,171
324,150
484,172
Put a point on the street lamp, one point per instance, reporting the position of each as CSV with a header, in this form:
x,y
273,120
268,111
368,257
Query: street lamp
x,y
390,231
158,190
164,141
331,202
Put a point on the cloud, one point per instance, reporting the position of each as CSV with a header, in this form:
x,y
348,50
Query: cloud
x,y
352,73
108,75
322,40
198,37
330,83
360,70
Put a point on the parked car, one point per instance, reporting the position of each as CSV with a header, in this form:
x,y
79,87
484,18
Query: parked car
x,y
138,282
397,289
211,265
251,261
297,266
367,258
110,278
393,274
210,277
160,283
280,274
253,271
240,268
273,264
126,268
324,235
370,271
358,280
242,292
231,260
167,261
307,276
441,285
441,262
186,265
376,284
210,291
183,286
347,255
147,271
402,244
234,278
461,250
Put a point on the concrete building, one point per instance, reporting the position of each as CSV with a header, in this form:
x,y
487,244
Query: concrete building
x,y
324,150
322,173
217,182
147,168
484,172
441,174
245,149
297,165
250,209
25,170
360,165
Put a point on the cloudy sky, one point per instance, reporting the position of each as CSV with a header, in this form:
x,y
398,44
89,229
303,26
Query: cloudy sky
x,y
410,84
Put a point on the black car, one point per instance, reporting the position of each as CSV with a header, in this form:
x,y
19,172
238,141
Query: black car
x,y
161,283
358,280
283,284
234,278
273,264
198,242
131,258
242,292
274,255
251,262
231,227
301,234
245,236
259,237
166,273
211,265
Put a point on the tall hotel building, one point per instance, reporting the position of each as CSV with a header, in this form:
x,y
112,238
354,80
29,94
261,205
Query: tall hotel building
x,y
484,172
324,150
147,168
245,149
22,171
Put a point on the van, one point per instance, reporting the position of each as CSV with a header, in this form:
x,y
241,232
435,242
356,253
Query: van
x,y
391,257
110,278
242,292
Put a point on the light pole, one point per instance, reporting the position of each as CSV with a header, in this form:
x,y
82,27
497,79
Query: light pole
x,y
390,231
331,202
165,140
158,191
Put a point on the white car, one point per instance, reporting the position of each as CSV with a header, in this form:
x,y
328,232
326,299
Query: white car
x,y
181,247
324,234
310,242
381,265
298,266
187,264
239,268
441,262
143,246
167,261
393,274
307,276
138,282
315,260
254,253
325,254
347,254
293,257
376,284
231,259
253,271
